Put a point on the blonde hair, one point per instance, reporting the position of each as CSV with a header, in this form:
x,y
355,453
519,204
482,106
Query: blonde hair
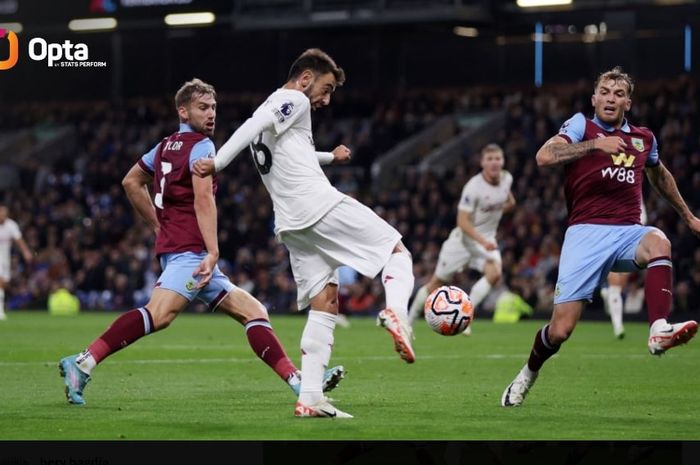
x,y
491,148
616,74
192,89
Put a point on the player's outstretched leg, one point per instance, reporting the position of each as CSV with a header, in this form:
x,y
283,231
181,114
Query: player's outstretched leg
x,y
664,335
74,378
517,390
400,331
397,277
542,349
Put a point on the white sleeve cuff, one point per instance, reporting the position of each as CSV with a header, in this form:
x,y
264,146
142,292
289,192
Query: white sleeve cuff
x,y
325,158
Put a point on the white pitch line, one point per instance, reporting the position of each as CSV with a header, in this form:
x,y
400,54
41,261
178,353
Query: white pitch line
x,y
346,359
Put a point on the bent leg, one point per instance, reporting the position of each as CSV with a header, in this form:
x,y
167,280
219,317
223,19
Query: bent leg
x,y
251,313
398,280
131,326
654,251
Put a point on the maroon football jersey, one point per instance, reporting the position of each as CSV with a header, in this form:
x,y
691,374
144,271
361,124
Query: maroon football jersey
x,y
174,195
604,188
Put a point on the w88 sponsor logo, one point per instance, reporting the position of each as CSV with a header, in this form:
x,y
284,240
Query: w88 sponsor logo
x,y
619,173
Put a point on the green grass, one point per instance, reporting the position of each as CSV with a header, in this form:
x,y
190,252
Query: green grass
x,y
199,380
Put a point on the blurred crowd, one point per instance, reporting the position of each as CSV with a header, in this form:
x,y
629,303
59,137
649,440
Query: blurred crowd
x,y
75,216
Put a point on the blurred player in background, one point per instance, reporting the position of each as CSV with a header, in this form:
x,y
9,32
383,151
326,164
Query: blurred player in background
x,y
604,158
612,293
9,234
183,215
485,197
321,227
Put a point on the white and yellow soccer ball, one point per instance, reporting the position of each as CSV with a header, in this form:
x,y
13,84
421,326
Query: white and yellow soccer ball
x,y
448,310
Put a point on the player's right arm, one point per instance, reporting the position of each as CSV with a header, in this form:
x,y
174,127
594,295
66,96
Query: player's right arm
x,y
464,221
135,184
277,115
569,145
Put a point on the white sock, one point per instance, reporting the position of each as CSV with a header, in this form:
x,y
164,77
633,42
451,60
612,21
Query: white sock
x,y
528,372
397,277
657,324
85,361
479,291
604,296
2,300
316,346
614,303
418,304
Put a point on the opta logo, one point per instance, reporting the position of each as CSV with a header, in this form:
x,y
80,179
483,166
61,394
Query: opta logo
x,y
40,50
14,49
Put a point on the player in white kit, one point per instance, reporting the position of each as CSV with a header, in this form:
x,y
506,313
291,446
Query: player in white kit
x,y
321,227
472,243
9,234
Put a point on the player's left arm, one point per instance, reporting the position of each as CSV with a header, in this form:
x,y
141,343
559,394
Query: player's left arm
x,y
135,184
663,183
24,249
205,210
339,154
509,205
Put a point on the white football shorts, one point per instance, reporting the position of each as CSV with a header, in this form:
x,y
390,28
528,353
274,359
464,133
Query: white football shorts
x,y
459,252
349,234
5,270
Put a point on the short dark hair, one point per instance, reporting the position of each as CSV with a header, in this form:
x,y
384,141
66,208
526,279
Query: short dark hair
x,y
190,90
317,61
616,74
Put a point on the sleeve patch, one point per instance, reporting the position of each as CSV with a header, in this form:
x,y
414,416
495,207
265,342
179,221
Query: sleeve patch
x,y
284,111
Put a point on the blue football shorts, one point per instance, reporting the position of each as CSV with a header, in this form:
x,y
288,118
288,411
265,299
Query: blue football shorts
x,y
590,252
177,276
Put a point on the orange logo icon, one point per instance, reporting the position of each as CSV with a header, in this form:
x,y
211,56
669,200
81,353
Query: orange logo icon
x,y
14,49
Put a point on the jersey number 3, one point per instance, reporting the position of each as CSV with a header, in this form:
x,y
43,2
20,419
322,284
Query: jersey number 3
x,y
165,168
261,155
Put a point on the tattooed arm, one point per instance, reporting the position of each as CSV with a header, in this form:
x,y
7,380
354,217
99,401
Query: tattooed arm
x,y
663,183
558,151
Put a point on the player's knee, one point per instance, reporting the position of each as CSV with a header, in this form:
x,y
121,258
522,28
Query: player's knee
x,y
401,248
326,300
560,332
657,245
162,319
661,247
331,305
494,275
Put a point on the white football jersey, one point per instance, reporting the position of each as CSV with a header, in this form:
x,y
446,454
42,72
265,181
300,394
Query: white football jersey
x,y
286,159
484,202
9,232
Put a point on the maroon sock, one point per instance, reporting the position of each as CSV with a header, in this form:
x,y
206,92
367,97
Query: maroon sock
x,y
126,329
542,349
658,288
264,342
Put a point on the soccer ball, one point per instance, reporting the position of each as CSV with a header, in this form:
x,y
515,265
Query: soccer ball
x,y
448,310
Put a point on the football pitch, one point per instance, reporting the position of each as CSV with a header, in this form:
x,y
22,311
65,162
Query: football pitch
x,y
199,380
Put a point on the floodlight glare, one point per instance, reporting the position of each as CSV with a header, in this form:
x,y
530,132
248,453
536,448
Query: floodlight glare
x,y
189,19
